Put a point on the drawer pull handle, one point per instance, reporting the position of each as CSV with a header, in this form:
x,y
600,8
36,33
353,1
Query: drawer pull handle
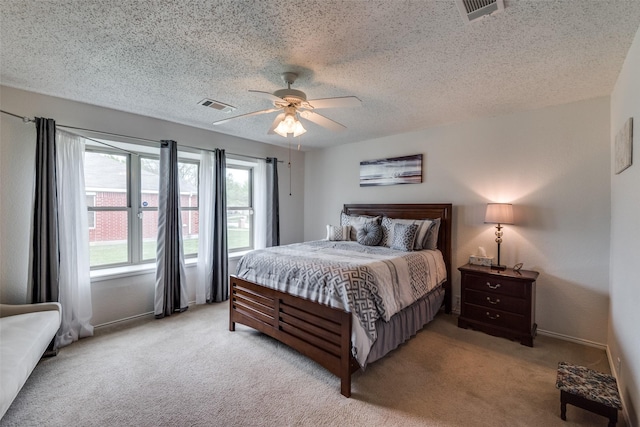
x,y
496,286
497,301
491,317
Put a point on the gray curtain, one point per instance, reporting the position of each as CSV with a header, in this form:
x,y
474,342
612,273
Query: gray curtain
x,y
171,286
220,278
273,203
45,261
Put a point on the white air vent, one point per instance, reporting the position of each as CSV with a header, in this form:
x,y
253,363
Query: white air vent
x,y
470,10
225,108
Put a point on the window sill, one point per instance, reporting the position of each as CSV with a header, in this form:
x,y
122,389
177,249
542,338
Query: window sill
x,y
135,270
237,255
131,270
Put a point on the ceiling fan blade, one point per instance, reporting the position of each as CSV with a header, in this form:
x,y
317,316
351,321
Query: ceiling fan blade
x,y
255,113
267,95
322,121
340,102
275,123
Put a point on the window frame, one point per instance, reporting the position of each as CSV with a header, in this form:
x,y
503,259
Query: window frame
x,y
192,208
93,204
142,209
250,209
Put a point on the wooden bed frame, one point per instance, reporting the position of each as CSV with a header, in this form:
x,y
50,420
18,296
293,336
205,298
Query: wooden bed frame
x,y
318,331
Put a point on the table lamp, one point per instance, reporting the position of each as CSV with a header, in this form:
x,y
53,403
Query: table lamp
x,y
499,213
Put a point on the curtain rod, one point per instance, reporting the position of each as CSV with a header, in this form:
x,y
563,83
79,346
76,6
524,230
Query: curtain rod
x,y
30,120
104,143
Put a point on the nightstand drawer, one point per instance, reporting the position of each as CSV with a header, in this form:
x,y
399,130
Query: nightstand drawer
x,y
497,285
495,317
496,301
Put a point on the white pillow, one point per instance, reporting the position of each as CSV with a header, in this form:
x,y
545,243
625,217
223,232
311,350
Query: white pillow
x,y
338,232
424,225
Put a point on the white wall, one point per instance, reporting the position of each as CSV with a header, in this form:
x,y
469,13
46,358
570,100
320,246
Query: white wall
x,y
552,164
624,339
123,297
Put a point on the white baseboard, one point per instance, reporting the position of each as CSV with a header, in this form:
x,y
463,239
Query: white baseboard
x,y
113,322
612,365
614,371
456,311
573,339
150,313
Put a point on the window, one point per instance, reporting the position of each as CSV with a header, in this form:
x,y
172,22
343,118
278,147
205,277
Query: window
x,y
148,206
239,208
189,172
106,178
188,177
122,203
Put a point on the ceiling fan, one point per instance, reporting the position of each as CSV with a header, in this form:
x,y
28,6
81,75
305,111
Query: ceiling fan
x,y
293,104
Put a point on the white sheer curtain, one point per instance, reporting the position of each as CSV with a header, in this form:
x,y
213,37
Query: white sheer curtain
x,y
260,205
75,282
213,259
205,230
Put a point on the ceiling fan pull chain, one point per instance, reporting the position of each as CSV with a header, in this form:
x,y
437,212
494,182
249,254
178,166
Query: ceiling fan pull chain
x,y
289,164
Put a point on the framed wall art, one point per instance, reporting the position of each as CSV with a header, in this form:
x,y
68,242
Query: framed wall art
x,y
392,171
623,147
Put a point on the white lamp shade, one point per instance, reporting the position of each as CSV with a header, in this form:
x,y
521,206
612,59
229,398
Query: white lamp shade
x,y
499,213
298,129
290,125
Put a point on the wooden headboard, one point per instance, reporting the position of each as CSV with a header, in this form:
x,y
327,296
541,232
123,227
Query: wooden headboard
x,y
417,211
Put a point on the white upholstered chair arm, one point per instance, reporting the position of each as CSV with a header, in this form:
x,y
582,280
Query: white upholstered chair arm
x,y
12,310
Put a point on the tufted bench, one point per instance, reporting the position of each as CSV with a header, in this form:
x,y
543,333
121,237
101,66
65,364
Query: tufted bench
x,y
588,389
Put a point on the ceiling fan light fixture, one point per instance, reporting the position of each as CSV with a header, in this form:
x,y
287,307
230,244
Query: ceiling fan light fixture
x,y
290,125
298,129
293,105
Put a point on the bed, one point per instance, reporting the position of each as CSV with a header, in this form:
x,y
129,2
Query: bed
x,y
324,333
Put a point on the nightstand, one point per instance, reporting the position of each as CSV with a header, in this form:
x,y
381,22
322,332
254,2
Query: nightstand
x,y
500,303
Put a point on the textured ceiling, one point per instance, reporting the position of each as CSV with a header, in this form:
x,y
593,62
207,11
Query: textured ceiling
x,y
414,64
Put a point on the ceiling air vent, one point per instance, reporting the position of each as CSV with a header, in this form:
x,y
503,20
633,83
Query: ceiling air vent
x,y
476,9
225,108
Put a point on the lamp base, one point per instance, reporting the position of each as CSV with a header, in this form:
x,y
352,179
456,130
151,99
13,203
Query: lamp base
x,y
498,267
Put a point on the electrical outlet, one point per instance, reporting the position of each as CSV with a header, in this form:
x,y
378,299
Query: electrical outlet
x,y
457,309
618,365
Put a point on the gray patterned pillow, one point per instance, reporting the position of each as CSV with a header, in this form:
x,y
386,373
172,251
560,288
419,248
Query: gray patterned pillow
x,y
338,232
370,234
404,236
424,226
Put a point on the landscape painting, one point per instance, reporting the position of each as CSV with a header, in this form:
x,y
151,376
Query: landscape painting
x,y
396,170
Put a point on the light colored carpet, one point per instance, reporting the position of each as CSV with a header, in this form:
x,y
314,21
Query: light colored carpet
x,y
189,370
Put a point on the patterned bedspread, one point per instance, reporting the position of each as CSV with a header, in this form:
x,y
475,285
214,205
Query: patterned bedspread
x,y
371,282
